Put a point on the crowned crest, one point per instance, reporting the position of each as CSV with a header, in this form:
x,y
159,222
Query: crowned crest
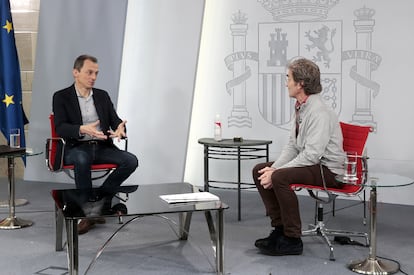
x,y
295,10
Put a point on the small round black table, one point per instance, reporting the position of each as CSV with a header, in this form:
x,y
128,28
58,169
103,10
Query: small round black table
x,y
229,149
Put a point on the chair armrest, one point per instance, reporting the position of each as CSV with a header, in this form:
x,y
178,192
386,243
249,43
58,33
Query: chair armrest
x,y
126,143
54,152
364,160
331,196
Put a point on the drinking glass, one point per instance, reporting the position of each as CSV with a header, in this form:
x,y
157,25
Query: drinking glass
x,y
350,166
15,138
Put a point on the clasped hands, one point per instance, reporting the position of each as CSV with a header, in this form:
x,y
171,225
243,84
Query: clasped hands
x,y
92,130
266,177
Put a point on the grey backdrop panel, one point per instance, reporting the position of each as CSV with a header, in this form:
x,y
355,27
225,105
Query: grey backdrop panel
x,y
66,30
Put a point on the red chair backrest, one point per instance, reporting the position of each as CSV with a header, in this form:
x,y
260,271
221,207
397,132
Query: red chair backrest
x,y
355,137
53,153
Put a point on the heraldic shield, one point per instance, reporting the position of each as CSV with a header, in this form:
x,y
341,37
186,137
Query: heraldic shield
x,y
279,43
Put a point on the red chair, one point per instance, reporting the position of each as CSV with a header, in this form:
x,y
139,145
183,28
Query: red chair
x,y
55,150
354,140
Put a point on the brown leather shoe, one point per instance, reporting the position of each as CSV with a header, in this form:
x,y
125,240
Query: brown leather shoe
x,y
84,226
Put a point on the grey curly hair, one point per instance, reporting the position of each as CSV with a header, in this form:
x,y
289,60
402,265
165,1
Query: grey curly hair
x,y
307,73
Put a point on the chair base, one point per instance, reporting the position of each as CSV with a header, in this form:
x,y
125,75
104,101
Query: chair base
x,y
320,230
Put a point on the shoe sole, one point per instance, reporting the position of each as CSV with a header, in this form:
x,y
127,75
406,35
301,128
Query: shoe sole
x,y
261,245
278,253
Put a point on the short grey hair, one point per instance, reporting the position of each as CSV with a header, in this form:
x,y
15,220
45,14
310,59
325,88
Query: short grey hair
x,y
307,73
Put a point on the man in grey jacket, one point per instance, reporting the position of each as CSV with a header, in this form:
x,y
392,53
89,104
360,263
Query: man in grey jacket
x,y
315,137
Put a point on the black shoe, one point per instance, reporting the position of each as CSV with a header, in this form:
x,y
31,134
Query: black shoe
x,y
271,239
284,246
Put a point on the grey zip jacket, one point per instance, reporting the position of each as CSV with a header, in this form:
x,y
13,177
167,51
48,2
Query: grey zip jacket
x,y
319,138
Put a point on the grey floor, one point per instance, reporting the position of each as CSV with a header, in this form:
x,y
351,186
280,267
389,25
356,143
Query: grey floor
x,y
150,246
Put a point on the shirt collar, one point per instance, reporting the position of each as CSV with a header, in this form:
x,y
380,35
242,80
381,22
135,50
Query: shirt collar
x,y
79,95
298,104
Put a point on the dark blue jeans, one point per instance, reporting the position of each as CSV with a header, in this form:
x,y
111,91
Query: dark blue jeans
x,y
85,154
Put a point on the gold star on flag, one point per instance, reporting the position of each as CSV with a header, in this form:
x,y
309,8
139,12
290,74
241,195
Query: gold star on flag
x,y
8,26
8,100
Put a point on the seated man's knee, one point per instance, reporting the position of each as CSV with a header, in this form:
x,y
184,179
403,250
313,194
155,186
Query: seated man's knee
x,y
134,162
256,169
259,167
130,161
280,175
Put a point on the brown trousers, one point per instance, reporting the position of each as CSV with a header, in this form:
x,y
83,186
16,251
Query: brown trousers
x,y
281,202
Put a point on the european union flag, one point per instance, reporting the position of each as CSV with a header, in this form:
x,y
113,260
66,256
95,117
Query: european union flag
x,y
11,109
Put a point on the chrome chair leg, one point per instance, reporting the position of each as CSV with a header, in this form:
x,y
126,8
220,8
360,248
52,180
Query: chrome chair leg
x,y
319,229
59,229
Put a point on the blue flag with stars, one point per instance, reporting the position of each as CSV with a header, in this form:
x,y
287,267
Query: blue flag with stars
x,y
11,109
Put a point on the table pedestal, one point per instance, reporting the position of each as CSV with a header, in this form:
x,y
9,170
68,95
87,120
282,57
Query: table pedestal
x,y
373,265
12,222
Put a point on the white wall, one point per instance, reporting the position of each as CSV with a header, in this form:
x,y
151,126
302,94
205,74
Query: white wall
x,y
377,94
157,83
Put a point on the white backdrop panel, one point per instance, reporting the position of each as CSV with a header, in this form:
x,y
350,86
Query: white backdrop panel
x,y
365,58
157,83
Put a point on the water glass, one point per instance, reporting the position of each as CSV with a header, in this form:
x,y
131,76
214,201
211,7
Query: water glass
x,y
15,138
351,166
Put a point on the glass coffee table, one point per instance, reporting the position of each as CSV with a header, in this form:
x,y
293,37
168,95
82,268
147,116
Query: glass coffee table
x,y
74,204
372,264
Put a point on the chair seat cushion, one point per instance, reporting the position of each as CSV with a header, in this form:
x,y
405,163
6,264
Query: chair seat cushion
x,y
94,167
347,189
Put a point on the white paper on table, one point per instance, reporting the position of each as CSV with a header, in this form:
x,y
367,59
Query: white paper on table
x,y
189,197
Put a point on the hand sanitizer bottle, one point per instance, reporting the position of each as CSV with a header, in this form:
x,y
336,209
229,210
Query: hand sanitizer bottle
x,y
217,128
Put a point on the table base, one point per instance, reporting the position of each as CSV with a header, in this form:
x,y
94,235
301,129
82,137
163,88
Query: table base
x,y
374,266
14,223
17,202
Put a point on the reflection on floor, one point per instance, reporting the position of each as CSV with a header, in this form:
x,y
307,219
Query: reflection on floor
x,y
149,246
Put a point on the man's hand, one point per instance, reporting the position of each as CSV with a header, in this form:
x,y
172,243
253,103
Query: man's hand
x,y
92,130
120,131
266,177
